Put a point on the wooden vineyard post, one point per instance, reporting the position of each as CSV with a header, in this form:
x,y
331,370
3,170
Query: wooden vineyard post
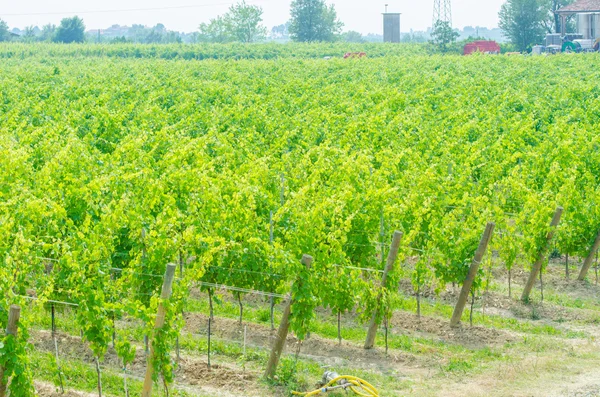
x,y
282,333
391,259
468,284
11,329
543,252
589,259
167,289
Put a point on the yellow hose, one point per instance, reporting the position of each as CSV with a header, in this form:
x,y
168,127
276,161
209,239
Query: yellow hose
x,y
360,387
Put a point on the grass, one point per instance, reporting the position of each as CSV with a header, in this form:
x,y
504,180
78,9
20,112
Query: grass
x,y
442,310
292,374
443,357
326,327
79,375
552,296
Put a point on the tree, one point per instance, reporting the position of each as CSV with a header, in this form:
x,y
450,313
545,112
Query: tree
x,y
313,20
29,34
552,21
71,30
154,36
240,23
413,37
244,22
4,33
522,22
280,31
48,32
353,37
443,35
216,31
120,40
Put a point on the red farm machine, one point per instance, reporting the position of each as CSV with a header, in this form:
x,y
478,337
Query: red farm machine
x,y
483,46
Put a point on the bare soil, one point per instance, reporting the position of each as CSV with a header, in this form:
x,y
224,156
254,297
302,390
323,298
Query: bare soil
x,y
48,390
569,371
193,372
326,351
435,328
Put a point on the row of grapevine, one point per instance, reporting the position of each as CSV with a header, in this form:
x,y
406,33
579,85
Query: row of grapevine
x,y
206,51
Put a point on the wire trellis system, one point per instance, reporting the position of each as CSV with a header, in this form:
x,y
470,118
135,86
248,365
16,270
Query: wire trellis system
x,y
243,290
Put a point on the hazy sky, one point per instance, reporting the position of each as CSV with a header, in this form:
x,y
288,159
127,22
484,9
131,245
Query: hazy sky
x,y
185,15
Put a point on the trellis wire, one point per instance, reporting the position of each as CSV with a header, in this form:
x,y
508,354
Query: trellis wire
x,y
366,269
220,286
244,290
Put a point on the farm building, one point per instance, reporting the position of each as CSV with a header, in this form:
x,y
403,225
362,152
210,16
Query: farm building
x,y
587,13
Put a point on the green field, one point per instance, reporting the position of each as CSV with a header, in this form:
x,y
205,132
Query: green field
x,y
233,161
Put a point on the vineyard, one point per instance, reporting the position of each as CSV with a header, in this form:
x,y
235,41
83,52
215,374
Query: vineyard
x,y
206,51
427,223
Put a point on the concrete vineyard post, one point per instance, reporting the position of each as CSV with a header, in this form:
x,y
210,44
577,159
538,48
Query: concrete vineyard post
x,y
11,329
468,284
543,252
589,259
282,333
167,289
391,259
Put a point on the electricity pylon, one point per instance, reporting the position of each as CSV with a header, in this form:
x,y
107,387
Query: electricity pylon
x,y
442,11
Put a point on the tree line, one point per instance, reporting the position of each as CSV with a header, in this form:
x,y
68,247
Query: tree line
x,y
524,23
70,30
311,21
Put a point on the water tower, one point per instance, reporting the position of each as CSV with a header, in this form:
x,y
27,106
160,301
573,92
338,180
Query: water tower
x,y
391,26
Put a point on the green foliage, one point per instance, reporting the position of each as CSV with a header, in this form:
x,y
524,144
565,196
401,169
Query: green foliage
x,y
458,365
216,31
29,35
313,21
522,22
70,30
244,21
287,374
240,24
14,359
4,32
304,303
443,36
205,51
148,35
552,21
353,37
108,175
48,33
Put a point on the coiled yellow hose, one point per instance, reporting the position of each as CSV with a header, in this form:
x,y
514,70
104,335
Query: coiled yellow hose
x,y
359,386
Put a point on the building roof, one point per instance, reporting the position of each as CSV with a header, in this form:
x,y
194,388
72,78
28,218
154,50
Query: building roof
x,y
581,6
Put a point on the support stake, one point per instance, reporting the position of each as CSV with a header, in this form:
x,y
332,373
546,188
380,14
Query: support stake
x,y
282,333
167,289
466,288
392,255
542,255
589,259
